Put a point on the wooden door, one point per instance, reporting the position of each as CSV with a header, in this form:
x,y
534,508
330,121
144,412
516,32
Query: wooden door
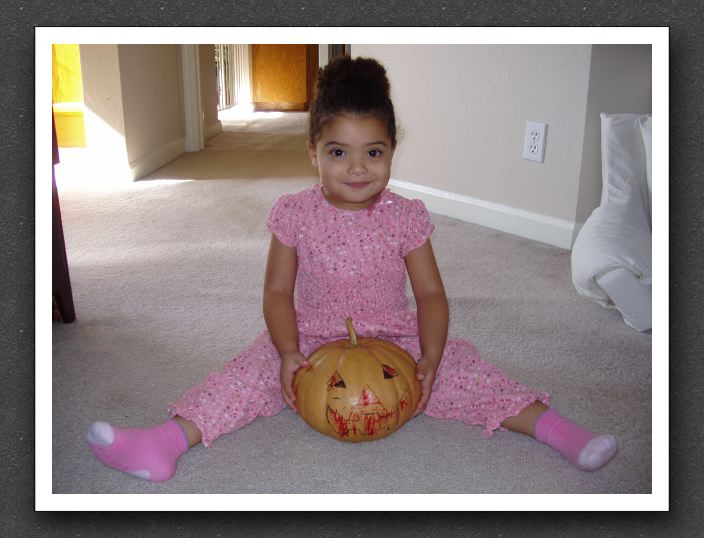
x,y
283,76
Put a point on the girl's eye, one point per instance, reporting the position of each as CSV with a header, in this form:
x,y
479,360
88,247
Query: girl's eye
x,y
375,153
337,152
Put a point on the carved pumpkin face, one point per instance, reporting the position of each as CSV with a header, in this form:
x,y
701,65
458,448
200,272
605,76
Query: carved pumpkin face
x,y
358,389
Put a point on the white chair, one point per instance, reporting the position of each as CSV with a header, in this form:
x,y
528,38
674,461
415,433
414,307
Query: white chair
x,y
611,257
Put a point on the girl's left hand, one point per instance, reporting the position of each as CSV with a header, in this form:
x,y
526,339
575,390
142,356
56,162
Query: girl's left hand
x,y
425,373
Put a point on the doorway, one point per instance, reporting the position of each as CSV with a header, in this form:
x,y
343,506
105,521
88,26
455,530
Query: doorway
x,y
266,77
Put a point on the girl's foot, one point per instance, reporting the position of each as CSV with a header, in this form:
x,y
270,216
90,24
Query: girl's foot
x,y
149,453
584,449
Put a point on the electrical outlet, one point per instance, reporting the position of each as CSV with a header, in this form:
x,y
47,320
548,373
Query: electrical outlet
x,y
534,144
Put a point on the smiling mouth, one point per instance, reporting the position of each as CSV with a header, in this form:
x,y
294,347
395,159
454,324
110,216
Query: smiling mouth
x,y
370,420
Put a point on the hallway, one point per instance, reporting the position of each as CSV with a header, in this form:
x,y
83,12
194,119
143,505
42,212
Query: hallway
x,y
252,145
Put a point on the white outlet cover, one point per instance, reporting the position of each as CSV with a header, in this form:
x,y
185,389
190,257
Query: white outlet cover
x,y
534,142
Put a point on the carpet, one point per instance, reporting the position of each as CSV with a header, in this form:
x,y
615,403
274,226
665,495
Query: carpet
x,y
167,275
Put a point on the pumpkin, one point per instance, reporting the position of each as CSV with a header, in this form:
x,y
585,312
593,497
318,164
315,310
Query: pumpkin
x,y
359,389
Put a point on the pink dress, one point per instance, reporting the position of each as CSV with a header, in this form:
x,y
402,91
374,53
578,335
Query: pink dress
x,y
351,264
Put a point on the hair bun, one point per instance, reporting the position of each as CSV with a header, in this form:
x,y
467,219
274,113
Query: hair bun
x,y
354,73
351,86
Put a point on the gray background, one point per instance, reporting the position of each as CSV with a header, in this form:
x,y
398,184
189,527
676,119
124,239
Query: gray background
x,y
17,252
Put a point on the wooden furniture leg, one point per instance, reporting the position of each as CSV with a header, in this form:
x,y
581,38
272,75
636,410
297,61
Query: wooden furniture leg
x,y
61,282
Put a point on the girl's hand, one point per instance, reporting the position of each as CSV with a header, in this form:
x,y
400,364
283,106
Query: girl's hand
x,y
290,362
425,373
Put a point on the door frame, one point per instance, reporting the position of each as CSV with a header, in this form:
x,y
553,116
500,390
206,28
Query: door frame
x,y
194,138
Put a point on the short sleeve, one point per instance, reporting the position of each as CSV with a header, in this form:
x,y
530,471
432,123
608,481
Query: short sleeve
x,y
283,220
417,227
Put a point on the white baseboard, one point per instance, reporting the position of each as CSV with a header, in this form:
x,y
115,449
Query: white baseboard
x,y
577,228
212,130
550,230
158,158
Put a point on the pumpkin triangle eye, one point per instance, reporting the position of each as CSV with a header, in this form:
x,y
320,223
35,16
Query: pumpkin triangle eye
x,y
336,381
389,372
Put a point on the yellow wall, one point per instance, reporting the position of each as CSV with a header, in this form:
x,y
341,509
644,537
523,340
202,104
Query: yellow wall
x,y
67,96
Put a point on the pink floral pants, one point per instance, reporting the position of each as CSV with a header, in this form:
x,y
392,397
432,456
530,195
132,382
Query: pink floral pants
x,y
466,388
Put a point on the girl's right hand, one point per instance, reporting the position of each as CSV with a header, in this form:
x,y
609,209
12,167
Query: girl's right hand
x,y
290,362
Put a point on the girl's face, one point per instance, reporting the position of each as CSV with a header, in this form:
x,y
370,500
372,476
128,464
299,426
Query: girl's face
x,y
353,158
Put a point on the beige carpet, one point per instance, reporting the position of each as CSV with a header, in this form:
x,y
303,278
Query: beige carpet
x,y
252,146
167,276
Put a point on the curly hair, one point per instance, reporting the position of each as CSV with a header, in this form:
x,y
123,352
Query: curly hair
x,y
356,86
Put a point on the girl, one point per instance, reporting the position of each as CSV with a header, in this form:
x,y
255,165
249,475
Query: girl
x,y
345,246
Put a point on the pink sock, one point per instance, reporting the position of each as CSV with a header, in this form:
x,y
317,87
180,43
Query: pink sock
x,y
149,453
583,449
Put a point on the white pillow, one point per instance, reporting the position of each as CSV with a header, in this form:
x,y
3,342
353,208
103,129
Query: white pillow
x,y
646,128
623,160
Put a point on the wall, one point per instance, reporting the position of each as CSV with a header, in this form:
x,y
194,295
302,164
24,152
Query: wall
x,y
620,81
151,93
104,118
462,111
66,85
134,106
67,96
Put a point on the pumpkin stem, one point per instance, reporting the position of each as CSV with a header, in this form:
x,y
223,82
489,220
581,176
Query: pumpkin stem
x,y
353,335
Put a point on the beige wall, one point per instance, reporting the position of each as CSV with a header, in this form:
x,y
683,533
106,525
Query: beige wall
x,y
462,111
151,93
620,81
134,105
104,118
